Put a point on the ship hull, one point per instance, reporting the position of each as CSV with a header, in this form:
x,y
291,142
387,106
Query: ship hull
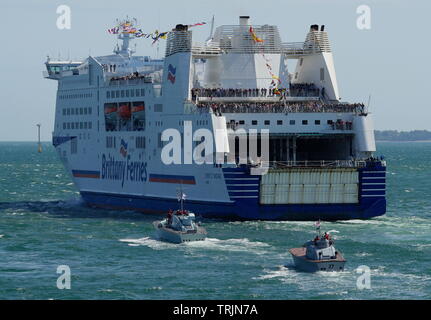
x,y
240,210
371,203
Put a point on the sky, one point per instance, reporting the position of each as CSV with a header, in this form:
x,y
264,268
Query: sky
x,y
389,62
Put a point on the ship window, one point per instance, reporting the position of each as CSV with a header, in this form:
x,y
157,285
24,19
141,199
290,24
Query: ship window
x,y
64,125
292,122
72,125
112,94
90,110
127,93
90,125
330,122
72,111
122,93
142,92
76,125
68,111
137,92
73,146
68,125
160,141
158,107
304,122
267,122
241,122
81,125
108,94
140,142
279,122
64,112
132,93
85,125
254,122
81,110
117,94
317,122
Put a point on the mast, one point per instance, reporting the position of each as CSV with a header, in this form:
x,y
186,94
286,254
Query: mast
x,y
39,148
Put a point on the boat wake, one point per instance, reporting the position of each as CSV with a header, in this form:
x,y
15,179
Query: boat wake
x,y
233,245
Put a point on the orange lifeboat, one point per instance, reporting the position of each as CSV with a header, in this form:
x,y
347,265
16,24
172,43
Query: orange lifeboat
x,y
124,111
138,108
109,110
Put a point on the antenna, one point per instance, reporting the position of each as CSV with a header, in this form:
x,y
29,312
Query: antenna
x,y
211,32
39,148
369,101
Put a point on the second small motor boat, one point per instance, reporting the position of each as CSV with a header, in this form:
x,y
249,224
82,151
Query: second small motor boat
x,y
318,254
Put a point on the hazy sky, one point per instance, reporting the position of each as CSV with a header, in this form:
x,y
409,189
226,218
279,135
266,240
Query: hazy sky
x,y
390,61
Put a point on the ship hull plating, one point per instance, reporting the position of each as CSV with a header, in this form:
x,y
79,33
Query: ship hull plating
x,y
372,202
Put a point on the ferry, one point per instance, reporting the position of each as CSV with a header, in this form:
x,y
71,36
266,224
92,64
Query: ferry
x,y
131,130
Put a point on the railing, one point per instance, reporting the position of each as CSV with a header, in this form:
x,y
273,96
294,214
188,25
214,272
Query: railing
x,y
315,164
127,82
280,107
203,49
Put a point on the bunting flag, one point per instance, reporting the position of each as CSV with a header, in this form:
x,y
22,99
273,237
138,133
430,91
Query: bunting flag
x,y
128,27
196,24
114,30
254,36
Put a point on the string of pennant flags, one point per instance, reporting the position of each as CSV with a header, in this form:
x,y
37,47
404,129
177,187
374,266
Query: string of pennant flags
x,y
274,77
127,26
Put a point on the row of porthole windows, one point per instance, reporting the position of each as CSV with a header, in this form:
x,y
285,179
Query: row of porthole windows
x,y
125,93
198,122
77,125
75,96
77,111
280,122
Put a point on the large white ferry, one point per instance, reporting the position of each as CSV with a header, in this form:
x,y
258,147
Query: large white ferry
x,y
112,112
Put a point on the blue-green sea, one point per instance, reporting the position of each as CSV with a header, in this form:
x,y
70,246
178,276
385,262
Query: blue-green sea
x,y
114,255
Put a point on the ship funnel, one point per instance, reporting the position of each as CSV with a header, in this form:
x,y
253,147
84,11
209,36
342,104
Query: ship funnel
x,y
314,27
244,20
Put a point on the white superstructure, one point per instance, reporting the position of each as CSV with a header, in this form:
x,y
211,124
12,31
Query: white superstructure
x,y
111,113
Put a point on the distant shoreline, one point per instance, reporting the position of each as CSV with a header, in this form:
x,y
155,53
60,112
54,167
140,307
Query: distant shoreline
x,y
403,140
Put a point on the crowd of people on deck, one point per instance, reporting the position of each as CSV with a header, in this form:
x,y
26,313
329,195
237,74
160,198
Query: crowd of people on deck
x,y
303,90
294,90
279,107
132,76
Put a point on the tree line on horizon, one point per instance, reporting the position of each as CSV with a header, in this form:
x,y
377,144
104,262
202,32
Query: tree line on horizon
x,y
395,135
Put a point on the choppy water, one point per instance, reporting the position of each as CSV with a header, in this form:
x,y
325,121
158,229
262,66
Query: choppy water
x,y
114,255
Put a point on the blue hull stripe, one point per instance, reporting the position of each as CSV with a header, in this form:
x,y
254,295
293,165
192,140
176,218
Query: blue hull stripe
x,y
86,174
243,208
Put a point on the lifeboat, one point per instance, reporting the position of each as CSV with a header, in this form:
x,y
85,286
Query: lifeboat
x,y
124,111
111,111
138,111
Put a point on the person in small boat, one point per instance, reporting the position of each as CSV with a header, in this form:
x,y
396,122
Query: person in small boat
x,y
327,236
170,213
